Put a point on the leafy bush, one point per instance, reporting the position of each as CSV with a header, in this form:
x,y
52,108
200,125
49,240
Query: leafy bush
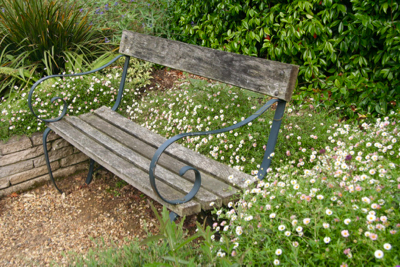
x,y
37,36
348,51
145,16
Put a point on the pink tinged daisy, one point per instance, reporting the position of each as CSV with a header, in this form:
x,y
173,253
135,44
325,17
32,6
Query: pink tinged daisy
x,y
295,244
373,236
387,246
306,221
325,225
345,233
379,254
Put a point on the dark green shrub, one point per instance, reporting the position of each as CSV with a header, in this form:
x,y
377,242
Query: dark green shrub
x,y
36,35
144,16
348,50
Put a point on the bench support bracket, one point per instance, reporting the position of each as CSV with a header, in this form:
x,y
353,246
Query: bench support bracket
x,y
272,139
46,156
90,174
173,216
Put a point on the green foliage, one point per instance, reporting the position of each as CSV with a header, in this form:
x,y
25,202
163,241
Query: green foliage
x,y
82,93
349,170
343,211
174,236
145,16
37,36
171,247
348,51
200,106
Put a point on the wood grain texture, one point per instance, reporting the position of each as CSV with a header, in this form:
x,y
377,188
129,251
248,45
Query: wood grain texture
x,y
188,156
122,168
173,180
260,75
225,191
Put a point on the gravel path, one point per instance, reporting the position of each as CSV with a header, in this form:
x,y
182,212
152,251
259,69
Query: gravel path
x,y
41,226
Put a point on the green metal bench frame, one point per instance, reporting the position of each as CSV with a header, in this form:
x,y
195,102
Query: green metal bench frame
x,y
256,74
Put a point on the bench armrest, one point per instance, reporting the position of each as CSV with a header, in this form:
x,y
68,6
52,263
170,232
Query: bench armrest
x,y
197,182
65,106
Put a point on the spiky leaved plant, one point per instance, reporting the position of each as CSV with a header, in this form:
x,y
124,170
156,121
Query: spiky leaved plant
x,y
36,35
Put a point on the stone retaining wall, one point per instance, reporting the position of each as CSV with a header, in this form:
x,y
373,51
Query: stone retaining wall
x,y
22,162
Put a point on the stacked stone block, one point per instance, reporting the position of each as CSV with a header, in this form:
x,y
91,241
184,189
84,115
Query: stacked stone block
x,y
22,162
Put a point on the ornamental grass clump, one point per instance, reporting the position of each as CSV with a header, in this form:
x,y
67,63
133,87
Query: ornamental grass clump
x,y
342,211
36,36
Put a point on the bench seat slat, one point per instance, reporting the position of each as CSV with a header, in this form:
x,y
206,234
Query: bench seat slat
x,y
224,191
203,196
122,168
190,157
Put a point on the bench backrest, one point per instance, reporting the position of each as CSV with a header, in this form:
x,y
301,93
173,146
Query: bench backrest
x,y
260,75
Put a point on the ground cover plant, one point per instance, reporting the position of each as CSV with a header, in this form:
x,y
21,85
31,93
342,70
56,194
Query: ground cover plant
x,y
82,93
200,106
342,211
330,198
348,51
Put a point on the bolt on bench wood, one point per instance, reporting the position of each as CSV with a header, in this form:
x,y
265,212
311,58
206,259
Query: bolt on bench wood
x,y
177,177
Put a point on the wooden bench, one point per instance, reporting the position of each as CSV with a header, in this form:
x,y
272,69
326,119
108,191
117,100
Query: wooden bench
x,y
132,152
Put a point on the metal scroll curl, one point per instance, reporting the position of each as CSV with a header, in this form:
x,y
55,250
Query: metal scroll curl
x,y
197,182
65,105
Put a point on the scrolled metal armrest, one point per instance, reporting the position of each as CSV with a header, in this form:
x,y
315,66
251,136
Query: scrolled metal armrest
x,y
197,182
65,105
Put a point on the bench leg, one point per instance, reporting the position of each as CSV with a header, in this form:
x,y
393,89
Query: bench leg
x,y
46,156
273,137
173,216
90,174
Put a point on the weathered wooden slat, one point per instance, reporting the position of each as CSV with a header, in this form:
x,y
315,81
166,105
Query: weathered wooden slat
x,y
122,168
264,76
225,191
173,180
190,157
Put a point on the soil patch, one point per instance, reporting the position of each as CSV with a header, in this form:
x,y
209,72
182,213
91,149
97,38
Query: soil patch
x,y
41,226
